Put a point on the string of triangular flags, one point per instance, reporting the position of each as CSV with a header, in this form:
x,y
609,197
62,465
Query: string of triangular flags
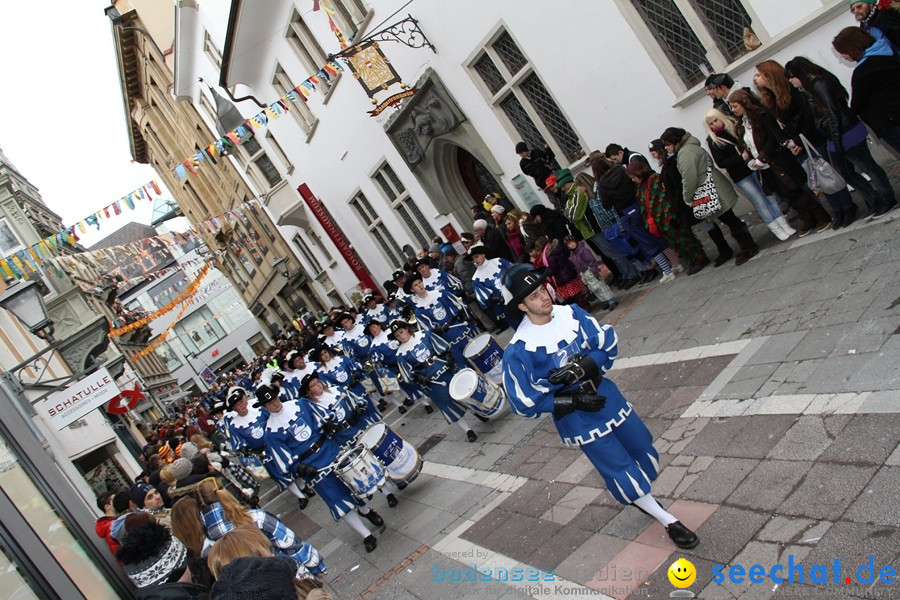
x,y
192,291
25,263
185,295
205,322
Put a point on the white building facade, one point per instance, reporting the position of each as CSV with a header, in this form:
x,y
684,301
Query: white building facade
x,y
577,75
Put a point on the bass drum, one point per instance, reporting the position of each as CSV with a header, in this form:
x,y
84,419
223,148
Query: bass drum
x,y
402,462
477,393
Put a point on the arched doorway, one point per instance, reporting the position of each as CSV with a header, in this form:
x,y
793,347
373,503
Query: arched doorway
x,y
476,178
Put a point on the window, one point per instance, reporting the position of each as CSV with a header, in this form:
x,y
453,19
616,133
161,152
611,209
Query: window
x,y
514,88
693,37
279,152
211,51
350,16
318,272
307,48
263,170
377,229
302,114
403,205
263,221
9,242
199,330
208,107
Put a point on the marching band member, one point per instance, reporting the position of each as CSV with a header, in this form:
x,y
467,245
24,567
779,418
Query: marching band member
x,y
556,363
295,367
299,449
443,314
341,372
487,282
384,355
422,358
373,310
437,280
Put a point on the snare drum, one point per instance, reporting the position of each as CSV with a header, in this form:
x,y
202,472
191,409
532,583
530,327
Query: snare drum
x,y
360,471
402,461
486,356
474,391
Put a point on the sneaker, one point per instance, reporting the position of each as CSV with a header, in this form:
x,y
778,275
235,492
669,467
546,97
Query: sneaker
x,y
302,503
370,543
683,537
678,269
392,500
667,278
429,409
401,410
373,517
801,233
823,226
471,435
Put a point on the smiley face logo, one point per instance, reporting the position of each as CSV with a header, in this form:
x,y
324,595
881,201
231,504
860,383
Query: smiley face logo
x,y
682,573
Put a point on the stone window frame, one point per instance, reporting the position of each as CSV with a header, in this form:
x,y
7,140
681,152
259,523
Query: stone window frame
x,y
299,109
309,52
375,226
408,211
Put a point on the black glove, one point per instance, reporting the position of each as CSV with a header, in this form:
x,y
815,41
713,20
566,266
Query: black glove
x,y
353,381
579,368
496,300
360,410
564,405
421,379
306,471
329,428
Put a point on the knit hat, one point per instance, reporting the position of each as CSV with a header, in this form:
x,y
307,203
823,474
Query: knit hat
x,y
521,147
564,176
479,224
246,577
151,555
139,491
866,1
498,209
181,468
188,450
435,247
164,452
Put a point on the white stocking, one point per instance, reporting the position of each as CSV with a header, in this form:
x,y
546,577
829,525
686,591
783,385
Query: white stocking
x,y
352,519
388,488
295,490
464,424
652,508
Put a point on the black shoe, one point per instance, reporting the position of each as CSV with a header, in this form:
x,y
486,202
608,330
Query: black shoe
x,y
392,500
370,543
613,304
604,305
849,215
648,276
429,409
697,267
309,491
471,435
373,517
302,503
401,410
630,283
881,210
408,402
382,406
683,537
722,259
838,220
481,418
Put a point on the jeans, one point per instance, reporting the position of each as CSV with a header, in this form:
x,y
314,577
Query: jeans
x,y
634,225
625,266
766,206
856,160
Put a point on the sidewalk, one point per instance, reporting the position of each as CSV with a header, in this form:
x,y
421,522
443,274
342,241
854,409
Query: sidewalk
x,y
772,392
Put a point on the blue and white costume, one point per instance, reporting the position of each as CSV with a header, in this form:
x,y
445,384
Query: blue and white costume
x,y
336,407
490,293
380,313
355,343
384,354
291,385
342,373
441,280
614,439
246,436
419,360
439,310
294,437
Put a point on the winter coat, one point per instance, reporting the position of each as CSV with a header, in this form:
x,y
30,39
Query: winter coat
x,y
577,209
495,244
555,225
692,164
835,118
102,527
559,265
538,166
672,182
584,259
875,91
887,21
727,155
797,118
616,190
786,174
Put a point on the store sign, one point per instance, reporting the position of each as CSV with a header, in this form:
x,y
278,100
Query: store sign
x,y
77,400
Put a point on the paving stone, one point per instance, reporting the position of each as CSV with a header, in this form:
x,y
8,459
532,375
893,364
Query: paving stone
x,y
867,439
808,437
726,532
853,543
520,536
679,399
549,553
562,460
633,564
692,514
871,507
784,529
747,437
592,556
486,525
568,507
769,484
719,479
827,491
658,587
593,518
819,342
628,524
894,459
755,553
535,498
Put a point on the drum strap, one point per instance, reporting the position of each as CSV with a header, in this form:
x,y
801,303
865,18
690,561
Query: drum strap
x,y
311,450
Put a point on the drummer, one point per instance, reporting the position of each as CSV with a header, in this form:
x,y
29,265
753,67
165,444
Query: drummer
x,y
341,416
437,280
299,449
329,335
343,373
383,354
487,283
422,358
443,314
371,309
295,367
246,430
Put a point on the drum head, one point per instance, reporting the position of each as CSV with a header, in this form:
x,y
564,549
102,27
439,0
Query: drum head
x,y
463,384
373,435
347,457
477,345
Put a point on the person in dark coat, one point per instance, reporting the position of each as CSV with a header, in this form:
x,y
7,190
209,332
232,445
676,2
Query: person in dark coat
x,y
536,163
878,19
492,240
875,83
554,224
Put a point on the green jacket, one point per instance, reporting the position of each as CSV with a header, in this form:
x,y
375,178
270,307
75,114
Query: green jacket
x,y
576,205
692,163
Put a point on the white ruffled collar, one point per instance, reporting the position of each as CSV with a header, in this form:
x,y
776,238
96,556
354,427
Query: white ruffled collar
x,y
288,413
411,342
431,299
488,269
563,327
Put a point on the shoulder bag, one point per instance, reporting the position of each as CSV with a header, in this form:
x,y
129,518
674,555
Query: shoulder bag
x,y
705,202
822,176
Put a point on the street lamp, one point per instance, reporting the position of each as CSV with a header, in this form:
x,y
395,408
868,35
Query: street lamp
x,y
281,266
25,301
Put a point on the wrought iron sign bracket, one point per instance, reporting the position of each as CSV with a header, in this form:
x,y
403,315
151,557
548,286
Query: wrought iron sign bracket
x,y
406,32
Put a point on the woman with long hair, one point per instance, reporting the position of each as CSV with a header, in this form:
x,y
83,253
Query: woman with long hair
x,y
697,172
188,528
791,115
875,83
661,218
846,134
728,144
785,175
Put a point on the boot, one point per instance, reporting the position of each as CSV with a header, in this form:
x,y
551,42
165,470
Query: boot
x,y
849,215
725,252
785,226
749,249
776,230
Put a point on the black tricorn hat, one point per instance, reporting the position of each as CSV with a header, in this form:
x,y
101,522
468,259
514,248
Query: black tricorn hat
x,y
264,395
304,383
521,280
400,324
407,285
